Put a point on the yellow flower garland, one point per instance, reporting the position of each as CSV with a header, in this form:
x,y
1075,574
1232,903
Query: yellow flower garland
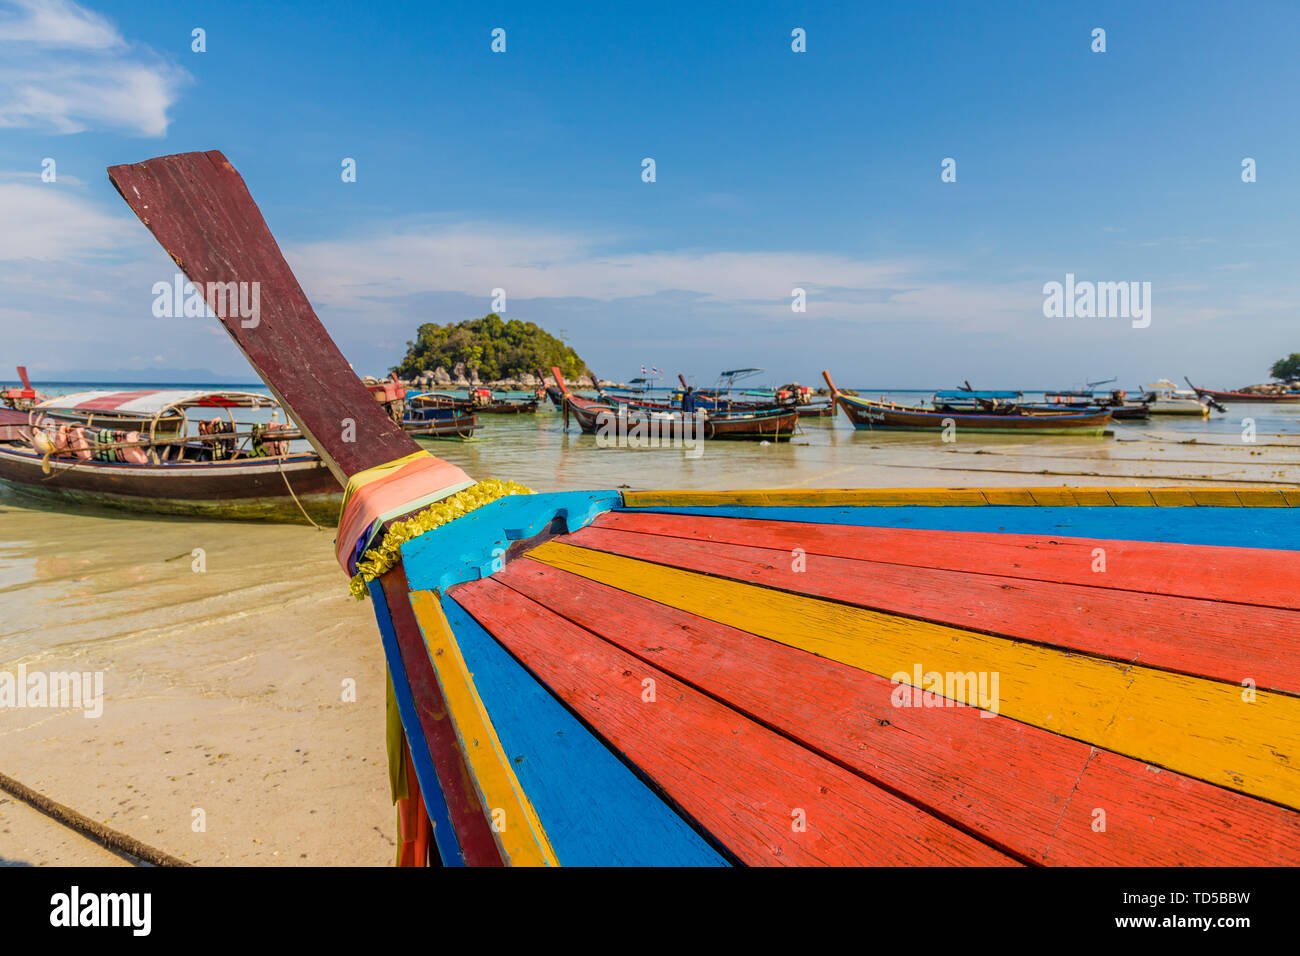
x,y
379,559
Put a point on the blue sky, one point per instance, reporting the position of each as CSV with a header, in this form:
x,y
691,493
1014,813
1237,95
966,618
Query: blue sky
x,y
775,169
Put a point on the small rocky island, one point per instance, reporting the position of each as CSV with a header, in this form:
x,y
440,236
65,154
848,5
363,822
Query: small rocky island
x,y
490,352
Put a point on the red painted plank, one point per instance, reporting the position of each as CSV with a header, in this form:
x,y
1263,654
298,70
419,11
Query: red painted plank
x,y
1228,642
1238,575
1022,788
741,782
478,846
200,211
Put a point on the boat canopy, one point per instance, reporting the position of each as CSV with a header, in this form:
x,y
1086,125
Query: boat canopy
x,y
147,403
986,395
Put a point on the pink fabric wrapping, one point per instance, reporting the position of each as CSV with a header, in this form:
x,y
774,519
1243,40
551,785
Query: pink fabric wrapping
x,y
414,480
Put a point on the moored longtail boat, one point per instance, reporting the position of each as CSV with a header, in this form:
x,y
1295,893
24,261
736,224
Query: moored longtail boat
x,y
1245,398
436,415
439,422
898,676
485,403
1013,419
162,451
627,416
1116,402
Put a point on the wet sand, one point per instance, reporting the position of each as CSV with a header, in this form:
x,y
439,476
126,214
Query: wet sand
x,y
223,686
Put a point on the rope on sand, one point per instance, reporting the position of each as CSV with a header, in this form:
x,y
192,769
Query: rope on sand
x,y
105,836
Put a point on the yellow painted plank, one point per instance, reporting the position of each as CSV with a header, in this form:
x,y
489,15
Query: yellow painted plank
x,y
794,497
1057,496
1264,497
1198,727
1131,497
523,839
1173,497
1215,497
1009,496
1092,497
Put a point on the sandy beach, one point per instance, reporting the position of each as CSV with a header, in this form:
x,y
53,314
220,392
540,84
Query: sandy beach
x,y
223,692
224,686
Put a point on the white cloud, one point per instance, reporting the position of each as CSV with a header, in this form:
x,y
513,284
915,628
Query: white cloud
x,y
474,259
57,23
51,221
66,68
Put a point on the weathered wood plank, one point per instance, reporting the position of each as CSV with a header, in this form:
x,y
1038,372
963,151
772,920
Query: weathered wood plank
x,y
1228,642
1238,575
1052,495
1273,528
746,785
441,753
1201,728
200,211
519,833
596,812
1023,788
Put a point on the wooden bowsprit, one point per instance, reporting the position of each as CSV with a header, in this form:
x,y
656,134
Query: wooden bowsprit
x,y
889,676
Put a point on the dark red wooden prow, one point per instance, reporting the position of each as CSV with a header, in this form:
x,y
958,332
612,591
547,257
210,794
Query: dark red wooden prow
x,y
27,382
200,211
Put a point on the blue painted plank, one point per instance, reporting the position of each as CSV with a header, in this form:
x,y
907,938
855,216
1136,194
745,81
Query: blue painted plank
x,y
473,546
1225,527
595,810
435,804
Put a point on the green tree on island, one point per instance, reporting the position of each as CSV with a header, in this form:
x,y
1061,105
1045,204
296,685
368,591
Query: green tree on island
x,y
1287,369
497,348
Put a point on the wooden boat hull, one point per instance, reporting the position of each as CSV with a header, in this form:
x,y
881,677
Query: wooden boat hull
x,y
440,423
244,489
13,424
817,411
1117,412
623,418
876,416
663,630
506,408
1249,398
1130,412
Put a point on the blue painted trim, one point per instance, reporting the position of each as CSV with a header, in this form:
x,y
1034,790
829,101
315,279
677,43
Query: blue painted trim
x,y
435,802
595,810
472,546
1223,527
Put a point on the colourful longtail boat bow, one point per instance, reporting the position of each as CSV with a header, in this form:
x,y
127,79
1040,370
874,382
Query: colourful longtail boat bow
x,y
999,676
